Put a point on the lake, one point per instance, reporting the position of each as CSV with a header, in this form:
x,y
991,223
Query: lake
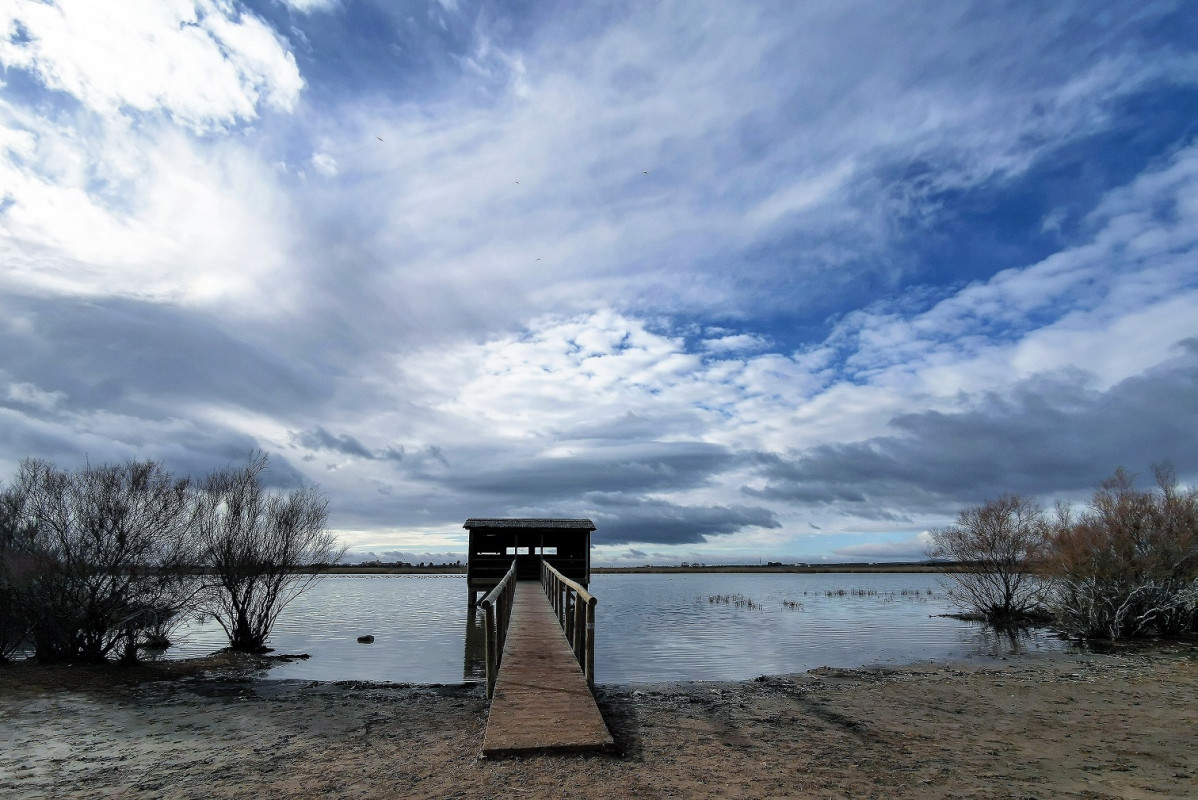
x,y
649,628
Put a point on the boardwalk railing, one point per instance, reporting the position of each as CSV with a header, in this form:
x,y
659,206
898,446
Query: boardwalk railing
x,y
575,609
497,608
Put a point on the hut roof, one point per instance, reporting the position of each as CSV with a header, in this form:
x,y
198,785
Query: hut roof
x,y
526,522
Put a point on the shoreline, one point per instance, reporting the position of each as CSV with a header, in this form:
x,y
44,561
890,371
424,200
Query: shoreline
x,y
227,666
847,568
1082,725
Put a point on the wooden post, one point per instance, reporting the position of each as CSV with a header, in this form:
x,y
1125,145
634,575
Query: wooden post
x,y
497,608
575,608
560,591
490,635
580,630
589,667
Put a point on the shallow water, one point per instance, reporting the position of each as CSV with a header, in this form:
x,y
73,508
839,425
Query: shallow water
x,y
649,628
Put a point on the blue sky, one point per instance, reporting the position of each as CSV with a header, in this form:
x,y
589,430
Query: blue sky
x,y
737,281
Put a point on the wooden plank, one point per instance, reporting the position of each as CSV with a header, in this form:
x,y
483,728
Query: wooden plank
x,y
542,702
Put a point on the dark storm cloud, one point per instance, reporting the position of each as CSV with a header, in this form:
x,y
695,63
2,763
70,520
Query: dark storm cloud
x,y
612,480
644,467
1049,435
107,381
622,519
193,451
320,439
128,356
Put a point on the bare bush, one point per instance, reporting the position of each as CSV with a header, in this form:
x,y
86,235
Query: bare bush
x,y
1128,565
108,552
256,543
998,544
16,571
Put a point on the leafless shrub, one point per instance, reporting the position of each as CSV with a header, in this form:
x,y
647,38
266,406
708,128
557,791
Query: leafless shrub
x,y
999,543
16,572
104,556
256,542
1128,565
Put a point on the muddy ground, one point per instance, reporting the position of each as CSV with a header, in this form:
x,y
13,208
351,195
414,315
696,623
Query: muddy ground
x,y
1116,725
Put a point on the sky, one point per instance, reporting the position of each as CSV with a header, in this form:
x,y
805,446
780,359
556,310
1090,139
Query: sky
x,y
747,281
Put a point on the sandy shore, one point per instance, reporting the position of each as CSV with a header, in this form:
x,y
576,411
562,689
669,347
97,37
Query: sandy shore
x,y
1063,726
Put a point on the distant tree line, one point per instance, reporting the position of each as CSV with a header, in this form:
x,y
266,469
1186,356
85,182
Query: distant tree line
x,y
104,561
376,563
1124,566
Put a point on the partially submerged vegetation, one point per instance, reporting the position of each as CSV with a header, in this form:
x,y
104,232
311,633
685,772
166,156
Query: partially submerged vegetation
x,y
105,561
1000,540
1125,566
736,600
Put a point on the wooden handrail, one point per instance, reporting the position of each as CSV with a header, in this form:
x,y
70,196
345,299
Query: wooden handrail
x,y
575,609
497,608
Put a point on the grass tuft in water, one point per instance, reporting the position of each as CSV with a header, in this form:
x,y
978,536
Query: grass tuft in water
x,y
886,597
737,600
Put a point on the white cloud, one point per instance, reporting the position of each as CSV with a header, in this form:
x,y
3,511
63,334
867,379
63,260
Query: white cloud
x,y
735,343
191,221
567,374
1075,308
808,193
110,197
325,164
490,289
28,394
201,62
311,6
642,166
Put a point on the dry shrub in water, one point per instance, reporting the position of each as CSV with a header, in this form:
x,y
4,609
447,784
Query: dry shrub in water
x,y
256,542
1001,542
96,557
101,561
17,570
1128,564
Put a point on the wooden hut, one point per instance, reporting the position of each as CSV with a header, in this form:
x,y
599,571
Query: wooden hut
x,y
564,543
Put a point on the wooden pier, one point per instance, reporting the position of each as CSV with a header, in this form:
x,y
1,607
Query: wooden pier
x,y
541,699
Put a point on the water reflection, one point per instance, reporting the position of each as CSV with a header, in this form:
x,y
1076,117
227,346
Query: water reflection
x,y
474,664
1011,640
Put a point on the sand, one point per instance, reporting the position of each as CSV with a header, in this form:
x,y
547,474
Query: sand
x,y
1114,725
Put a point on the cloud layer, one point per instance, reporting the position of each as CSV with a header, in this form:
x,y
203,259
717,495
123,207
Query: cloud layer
x,y
767,279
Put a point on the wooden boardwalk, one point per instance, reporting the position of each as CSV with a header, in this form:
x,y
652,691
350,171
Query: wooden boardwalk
x,y
542,702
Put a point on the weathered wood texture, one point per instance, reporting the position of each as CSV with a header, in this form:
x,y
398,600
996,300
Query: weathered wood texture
x,y
542,702
497,611
574,607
